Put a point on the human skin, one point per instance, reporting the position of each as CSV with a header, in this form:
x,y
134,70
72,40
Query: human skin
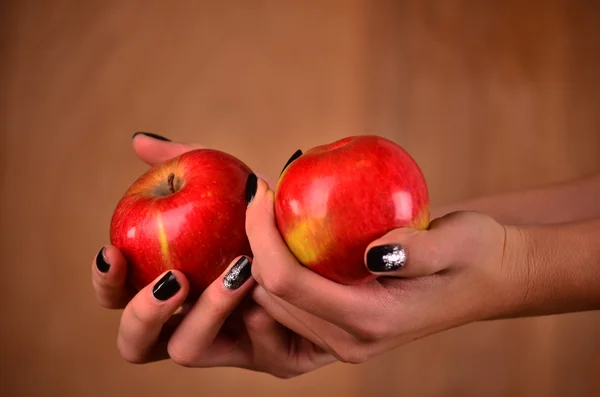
x,y
564,201
466,267
518,254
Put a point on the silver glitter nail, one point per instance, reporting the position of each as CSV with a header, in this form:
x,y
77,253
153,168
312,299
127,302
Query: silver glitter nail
x,y
238,274
386,258
394,259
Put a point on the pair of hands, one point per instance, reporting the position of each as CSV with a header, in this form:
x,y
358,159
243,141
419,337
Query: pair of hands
x,y
287,320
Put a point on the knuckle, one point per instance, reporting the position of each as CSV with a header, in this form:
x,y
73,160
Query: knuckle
x,y
180,356
370,331
216,307
255,271
128,353
110,305
431,257
253,216
110,301
103,294
104,302
259,213
142,314
354,356
284,375
257,321
277,283
350,351
283,371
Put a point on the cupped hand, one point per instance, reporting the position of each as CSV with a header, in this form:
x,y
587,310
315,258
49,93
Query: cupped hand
x,y
456,272
224,327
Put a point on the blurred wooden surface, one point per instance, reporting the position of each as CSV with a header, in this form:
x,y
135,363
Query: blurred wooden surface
x,y
488,96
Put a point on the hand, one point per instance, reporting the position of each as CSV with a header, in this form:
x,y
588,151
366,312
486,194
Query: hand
x,y
223,328
456,272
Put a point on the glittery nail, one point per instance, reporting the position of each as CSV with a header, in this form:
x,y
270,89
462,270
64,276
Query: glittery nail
x,y
238,274
386,258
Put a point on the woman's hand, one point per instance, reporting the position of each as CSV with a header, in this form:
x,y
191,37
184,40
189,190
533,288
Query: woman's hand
x,y
457,272
223,328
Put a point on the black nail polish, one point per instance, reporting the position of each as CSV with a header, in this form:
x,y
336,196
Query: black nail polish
x,y
101,262
151,135
386,258
251,186
238,274
166,287
296,154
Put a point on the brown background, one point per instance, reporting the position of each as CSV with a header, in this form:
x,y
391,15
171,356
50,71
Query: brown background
x,y
488,96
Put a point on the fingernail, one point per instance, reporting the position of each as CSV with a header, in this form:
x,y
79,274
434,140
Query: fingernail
x,y
238,274
166,287
386,258
251,186
151,135
296,154
101,262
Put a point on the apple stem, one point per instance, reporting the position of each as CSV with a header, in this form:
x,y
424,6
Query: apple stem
x,y
170,181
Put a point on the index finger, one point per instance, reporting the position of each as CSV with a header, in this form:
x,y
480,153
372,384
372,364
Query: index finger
x,y
155,149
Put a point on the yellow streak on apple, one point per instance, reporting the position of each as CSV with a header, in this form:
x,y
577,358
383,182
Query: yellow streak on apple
x,y
164,244
298,241
422,219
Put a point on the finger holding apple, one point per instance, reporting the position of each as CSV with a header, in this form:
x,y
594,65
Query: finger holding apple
x,y
335,207
154,149
146,315
109,275
184,214
109,267
215,330
156,323
333,200
346,247
109,280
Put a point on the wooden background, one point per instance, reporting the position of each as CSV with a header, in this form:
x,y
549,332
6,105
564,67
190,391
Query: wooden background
x,y
488,96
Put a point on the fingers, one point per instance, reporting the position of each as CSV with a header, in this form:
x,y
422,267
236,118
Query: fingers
x,y
144,317
189,344
275,268
302,323
325,335
277,310
269,341
154,149
109,273
413,253
272,345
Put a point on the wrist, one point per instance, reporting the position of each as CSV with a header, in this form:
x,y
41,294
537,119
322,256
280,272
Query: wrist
x,y
512,295
552,269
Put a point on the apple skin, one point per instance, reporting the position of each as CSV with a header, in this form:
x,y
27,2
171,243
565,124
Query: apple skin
x,y
198,230
335,199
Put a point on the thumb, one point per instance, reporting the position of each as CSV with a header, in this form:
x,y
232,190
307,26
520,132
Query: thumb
x,y
409,253
154,149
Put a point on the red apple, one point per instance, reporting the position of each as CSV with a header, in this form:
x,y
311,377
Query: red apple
x,y
335,199
187,213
